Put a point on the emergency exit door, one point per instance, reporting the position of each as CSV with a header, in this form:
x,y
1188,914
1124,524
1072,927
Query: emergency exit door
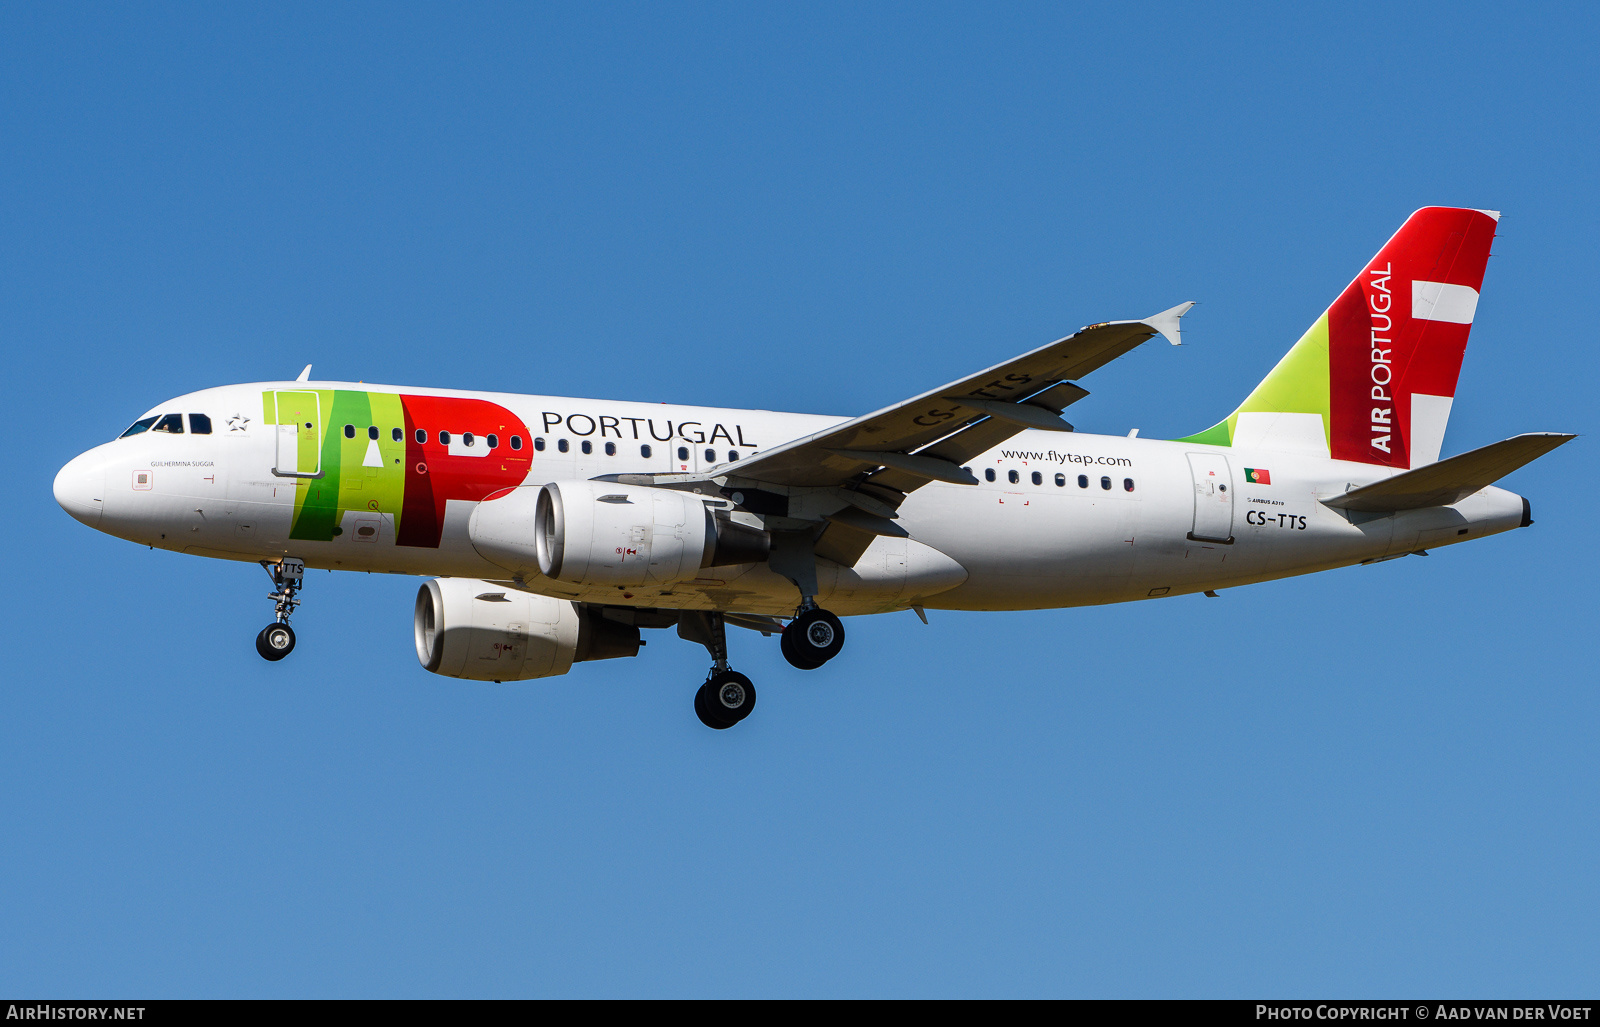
x,y
299,420
1213,497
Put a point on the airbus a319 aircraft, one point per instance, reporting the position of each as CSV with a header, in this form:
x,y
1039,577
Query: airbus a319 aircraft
x,y
554,530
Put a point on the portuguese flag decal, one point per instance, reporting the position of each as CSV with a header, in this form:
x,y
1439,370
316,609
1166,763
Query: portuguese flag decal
x,y
1258,476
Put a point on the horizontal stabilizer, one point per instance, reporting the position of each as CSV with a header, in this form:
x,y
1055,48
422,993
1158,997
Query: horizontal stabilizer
x,y
1449,481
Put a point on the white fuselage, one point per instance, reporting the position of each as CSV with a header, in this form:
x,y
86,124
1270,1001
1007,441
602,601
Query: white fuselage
x,y
1155,518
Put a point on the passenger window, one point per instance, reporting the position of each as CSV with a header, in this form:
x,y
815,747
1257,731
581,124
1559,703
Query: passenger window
x,y
199,424
467,439
138,426
421,435
395,434
733,455
711,456
561,444
588,447
372,432
1083,481
988,474
493,441
644,451
349,431
171,424
1038,479
611,449
683,453
444,438
1127,484
1105,483
1061,481
516,442
1012,477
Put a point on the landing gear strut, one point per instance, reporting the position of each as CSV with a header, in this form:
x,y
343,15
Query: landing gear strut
x,y
727,697
277,639
814,637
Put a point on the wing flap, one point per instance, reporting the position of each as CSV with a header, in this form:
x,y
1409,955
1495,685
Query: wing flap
x,y
1452,480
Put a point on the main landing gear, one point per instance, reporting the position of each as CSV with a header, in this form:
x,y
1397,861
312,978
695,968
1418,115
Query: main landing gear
x,y
727,697
814,637
277,639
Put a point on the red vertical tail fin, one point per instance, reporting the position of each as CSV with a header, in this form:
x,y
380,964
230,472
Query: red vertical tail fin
x,y
1396,336
1373,378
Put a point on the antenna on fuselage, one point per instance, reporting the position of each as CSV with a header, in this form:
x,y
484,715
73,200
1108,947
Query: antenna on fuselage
x,y
305,376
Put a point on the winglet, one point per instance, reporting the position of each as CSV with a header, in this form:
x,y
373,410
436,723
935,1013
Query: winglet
x,y
1166,322
305,376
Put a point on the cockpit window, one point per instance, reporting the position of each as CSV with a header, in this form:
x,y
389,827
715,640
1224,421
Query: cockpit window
x,y
143,424
172,424
199,424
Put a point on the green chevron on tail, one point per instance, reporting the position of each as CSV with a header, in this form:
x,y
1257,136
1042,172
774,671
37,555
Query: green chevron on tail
x,y
1297,385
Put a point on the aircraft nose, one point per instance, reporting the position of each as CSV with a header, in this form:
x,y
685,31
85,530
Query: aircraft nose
x,y
80,488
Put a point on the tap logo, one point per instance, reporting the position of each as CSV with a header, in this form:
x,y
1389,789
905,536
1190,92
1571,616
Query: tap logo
x,y
400,457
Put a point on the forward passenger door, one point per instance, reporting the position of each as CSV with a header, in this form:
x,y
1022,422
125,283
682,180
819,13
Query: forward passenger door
x,y
299,420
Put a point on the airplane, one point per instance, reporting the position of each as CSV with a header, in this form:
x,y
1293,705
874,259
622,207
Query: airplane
x,y
554,530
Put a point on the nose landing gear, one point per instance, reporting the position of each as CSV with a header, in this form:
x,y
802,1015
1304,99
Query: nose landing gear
x,y
277,639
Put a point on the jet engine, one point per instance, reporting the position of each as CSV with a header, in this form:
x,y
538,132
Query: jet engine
x,y
605,533
467,628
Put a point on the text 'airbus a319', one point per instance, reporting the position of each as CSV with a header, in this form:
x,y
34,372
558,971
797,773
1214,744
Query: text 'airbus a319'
x,y
554,530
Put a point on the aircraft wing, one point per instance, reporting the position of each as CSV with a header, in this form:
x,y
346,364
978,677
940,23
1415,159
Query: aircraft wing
x,y
925,438
866,466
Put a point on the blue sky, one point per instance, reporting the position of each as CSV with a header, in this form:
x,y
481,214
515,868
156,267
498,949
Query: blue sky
x,y
1371,782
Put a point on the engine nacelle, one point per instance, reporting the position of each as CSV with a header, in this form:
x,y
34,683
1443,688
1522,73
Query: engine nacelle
x,y
467,628
605,533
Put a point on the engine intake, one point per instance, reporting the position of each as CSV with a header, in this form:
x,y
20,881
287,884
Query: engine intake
x,y
606,533
467,628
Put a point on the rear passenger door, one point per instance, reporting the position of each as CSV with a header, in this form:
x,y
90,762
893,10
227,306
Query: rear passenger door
x,y
1213,498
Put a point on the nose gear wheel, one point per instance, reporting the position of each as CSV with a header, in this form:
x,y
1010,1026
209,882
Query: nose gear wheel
x,y
275,642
